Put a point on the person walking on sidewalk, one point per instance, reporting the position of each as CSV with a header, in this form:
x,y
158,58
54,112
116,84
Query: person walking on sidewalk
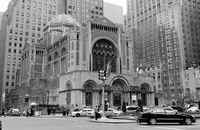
x,y
96,113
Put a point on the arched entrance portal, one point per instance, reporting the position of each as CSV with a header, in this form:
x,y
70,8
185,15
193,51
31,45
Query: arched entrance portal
x,y
89,89
145,90
120,92
104,52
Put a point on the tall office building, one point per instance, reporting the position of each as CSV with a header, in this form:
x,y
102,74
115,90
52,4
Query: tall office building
x,y
1,15
1,56
83,10
25,22
168,34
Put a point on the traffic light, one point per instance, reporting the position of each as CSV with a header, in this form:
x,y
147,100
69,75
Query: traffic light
x,y
26,99
102,75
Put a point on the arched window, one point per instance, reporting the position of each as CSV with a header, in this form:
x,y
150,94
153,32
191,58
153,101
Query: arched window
x,y
145,89
89,88
63,51
56,55
49,59
104,52
68,93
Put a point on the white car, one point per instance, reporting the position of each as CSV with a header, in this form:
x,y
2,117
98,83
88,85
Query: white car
x,y
193,109
111,112
132,109
82,112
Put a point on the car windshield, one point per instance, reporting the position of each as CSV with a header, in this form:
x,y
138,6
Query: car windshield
x,y
132,108
168,109
76,110
156,110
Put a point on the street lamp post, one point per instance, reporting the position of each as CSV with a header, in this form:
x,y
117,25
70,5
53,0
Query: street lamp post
x,y
102,77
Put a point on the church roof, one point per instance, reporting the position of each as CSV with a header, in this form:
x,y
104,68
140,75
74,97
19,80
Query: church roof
x,y
63,19
103,20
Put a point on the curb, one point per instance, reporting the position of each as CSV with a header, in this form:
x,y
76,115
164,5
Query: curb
x,y
125,118
112,121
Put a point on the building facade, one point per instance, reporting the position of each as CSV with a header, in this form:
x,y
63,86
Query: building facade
x,y
73,57
1,15
162,28
25,22
191,85
96,45
2,34
83,10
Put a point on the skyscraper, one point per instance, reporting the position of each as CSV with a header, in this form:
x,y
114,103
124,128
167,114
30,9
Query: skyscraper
x,y
1,15
25,22
83,10
168,34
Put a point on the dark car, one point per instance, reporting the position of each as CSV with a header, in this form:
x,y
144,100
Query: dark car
x,y
160,115
178,108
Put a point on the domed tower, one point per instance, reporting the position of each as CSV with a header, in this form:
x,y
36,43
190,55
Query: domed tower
x,y
58,27
61,36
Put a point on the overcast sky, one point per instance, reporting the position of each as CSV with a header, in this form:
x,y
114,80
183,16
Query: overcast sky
x,y
4,4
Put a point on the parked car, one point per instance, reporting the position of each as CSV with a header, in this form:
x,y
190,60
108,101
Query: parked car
x,y
146,108
170,110
82,112
111,112
13,112
193,109
132,109
178,108
161,115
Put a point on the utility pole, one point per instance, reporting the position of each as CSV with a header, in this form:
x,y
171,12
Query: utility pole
x,y
102,77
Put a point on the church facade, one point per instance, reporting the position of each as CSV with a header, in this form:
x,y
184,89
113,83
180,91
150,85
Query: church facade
x,y
73,56
91,48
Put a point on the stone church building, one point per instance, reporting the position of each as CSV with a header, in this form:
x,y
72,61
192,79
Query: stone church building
x,y
83,52
73,57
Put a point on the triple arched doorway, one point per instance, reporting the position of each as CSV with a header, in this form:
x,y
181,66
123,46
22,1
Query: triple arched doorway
x,y
115,94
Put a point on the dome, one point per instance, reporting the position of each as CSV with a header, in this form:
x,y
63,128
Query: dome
x,y
63,19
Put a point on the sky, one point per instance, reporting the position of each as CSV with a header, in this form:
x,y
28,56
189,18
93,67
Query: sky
x,y
4,4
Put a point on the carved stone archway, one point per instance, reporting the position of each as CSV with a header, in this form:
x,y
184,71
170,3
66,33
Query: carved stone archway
x,y
88,88
104,52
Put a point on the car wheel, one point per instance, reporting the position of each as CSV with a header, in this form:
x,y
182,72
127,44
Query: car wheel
x,y
188,121
78,115
152,121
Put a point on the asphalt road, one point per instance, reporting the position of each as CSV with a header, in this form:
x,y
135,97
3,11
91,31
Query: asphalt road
x,y
69,123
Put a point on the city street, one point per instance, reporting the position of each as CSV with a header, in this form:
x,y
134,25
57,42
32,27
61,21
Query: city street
x,y
69,123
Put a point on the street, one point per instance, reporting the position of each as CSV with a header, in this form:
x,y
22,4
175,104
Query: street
x,y
69,123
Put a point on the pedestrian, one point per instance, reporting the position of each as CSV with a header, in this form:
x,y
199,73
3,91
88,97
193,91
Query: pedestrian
x,y
48,111
3,113
96,113
124,107
32,112
106,106
68,112
64,112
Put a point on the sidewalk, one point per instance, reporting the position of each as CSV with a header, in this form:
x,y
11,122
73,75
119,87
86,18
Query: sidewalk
x,y
125,118
51,116
117,121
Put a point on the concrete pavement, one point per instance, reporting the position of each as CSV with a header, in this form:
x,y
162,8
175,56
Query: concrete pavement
x,y
117,121
70,123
